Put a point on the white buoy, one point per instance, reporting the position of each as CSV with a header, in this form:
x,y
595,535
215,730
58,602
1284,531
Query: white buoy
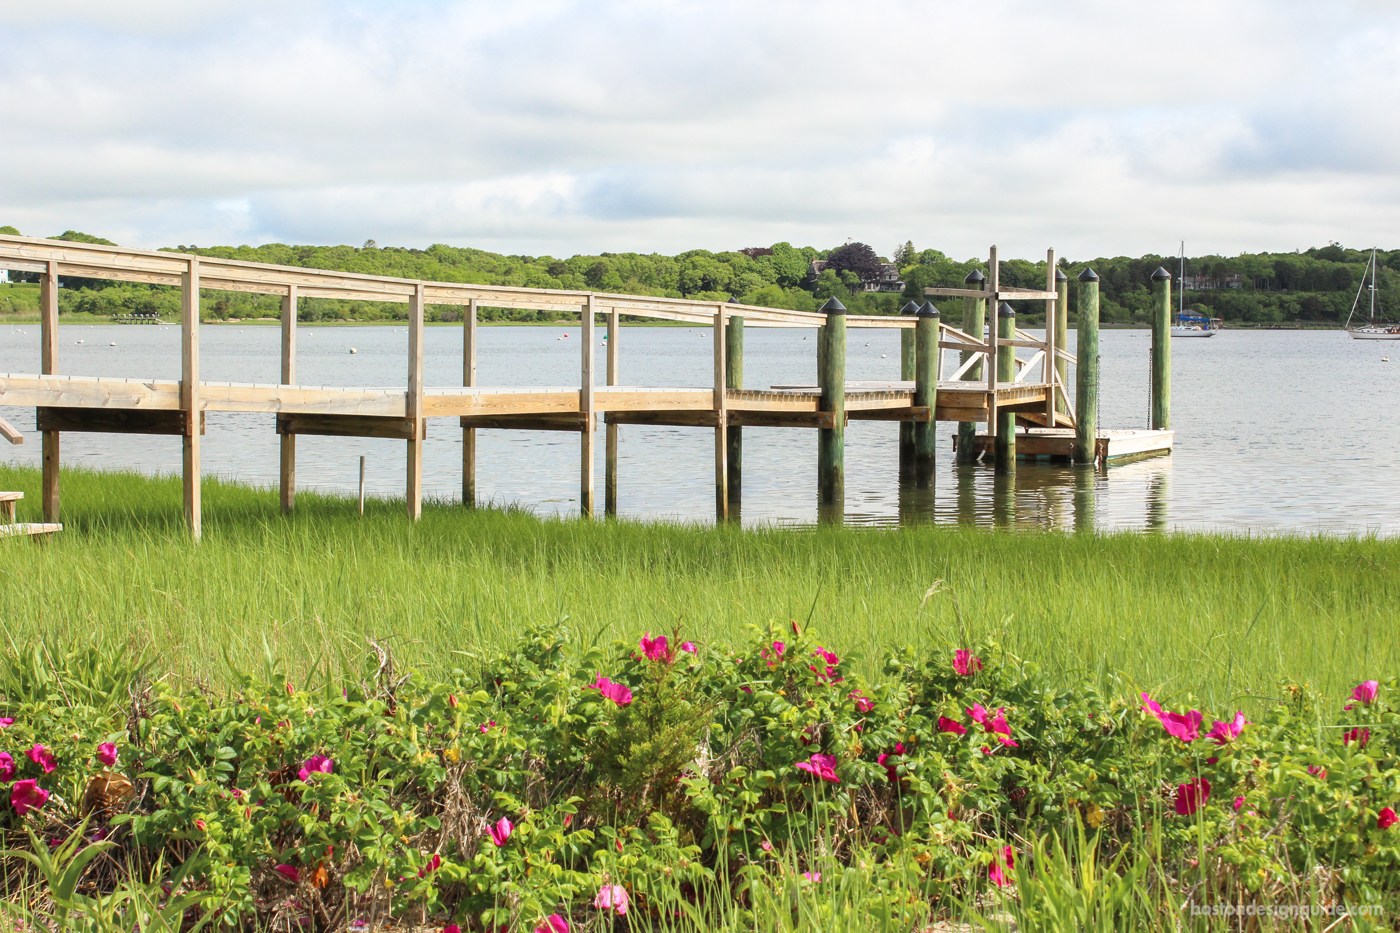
x,y
112,344
79,341
884,355
353,350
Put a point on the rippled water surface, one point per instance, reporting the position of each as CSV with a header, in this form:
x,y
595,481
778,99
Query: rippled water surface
x,y
1277,431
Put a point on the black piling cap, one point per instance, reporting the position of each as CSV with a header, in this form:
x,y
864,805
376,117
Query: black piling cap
x,y
733,300
1005,310
974,277
1060,276
833,306
1161,274
928,310
910,307
1088,275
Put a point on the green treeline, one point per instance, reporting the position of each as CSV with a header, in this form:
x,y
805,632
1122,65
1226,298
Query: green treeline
x,y
1318,285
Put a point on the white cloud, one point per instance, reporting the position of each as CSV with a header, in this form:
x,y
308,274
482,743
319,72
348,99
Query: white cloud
x,y
561,127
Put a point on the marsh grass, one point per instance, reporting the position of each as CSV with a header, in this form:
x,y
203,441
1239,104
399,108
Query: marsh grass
x,y
1223,617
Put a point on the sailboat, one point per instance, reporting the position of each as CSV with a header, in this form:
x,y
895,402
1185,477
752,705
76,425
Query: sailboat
x,y
1190,325
1370,330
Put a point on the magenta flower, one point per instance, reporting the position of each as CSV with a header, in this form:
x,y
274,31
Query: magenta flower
x,y
1183,726
612,897
1224,732
775,656
452,928
766,846
553,924
1150,706
965,664
688,646
501,831
27,795
828,656
6,721
890,772
655,648
487,726
618,693
290,872
1386,818
7,767
1359,736
42,757
433,865
316,764
1000,730
1007,857
107,754
1239,802
1318,771
823,766
812,876
951,725
864,704
1189,797
1365,693
979,714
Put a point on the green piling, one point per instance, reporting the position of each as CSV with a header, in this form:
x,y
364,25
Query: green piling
x,y
974,318
1086,395
1161,350
831,377
1005,444
925,392
906,374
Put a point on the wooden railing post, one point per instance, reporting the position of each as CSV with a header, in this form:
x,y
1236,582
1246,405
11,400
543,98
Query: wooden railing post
x,y
469,380
1062,338
1006,372
1053,312
926,335
721,403
1086,353
416,311
1161,350
734,379
287,474
993,284
831,376
189,396
587,407
974,318
906,374
610,439
48,366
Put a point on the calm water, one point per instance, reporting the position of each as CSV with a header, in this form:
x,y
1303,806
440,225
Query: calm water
x,y
1277,431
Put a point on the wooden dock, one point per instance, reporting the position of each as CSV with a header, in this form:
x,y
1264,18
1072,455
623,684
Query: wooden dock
x,y
1110,446
1035,394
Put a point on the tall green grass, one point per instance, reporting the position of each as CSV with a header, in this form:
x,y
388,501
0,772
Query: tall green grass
x,y
1218,615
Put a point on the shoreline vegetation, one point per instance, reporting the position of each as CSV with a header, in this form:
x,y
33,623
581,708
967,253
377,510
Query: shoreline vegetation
x,y
1311,288
498,721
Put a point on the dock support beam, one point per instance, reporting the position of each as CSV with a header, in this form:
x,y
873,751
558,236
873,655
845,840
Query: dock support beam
x,y
416,310
925,392
610,436
1062,337
831,377
1161,350
906,374
974,319
469,380
1006,372
721,403
1086,395
189,396
734,379
587,406
48,365
287,472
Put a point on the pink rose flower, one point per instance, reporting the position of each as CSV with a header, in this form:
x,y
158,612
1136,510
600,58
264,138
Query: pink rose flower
x,y
501,831
688,646
1224,732
1365,693
290,872
1359,736
612,897
618,693
812,876
553,924
951,726
1190,796
107,754
42,757
1004,857
965,664
655,649
823,766
7,767
27,795
316,764
864,704
1386,818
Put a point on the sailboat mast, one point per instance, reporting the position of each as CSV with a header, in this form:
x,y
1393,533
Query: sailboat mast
x,y
1181,283
1373,284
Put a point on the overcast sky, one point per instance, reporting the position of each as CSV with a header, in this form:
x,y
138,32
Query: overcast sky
x,y
548,126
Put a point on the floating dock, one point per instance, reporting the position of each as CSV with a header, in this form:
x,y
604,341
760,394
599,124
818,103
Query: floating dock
x,y
1057,444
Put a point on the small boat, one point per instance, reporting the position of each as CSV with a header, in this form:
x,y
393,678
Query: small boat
x,y
1372,329
1194,325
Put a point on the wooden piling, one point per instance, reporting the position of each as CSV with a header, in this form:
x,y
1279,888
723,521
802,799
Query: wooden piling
x,y
417,307
1062,337
189,396
469,315
906,374
926,333
48,365
1084,478
974,319
1054,310
1161,350
610,431
721,403
993,285
831,376
734,379
1086,395
588,408
1006,372
287,472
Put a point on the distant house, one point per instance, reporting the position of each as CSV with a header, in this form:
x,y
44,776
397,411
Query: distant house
x,y
887,281
1193,283
4,275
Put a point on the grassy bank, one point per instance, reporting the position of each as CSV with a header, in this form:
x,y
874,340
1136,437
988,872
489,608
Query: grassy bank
x,y
1213,615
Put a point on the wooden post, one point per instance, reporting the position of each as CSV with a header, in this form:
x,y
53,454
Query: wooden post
x,y
610,443
469,379
586,405
416,311
1084,479
993,284
1161,350
974,319
721,403
1086,395
1053,311
189,395
48,365
362,484
906,374
734,379
926,335
1062,338
831,376
1005,446
287,474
